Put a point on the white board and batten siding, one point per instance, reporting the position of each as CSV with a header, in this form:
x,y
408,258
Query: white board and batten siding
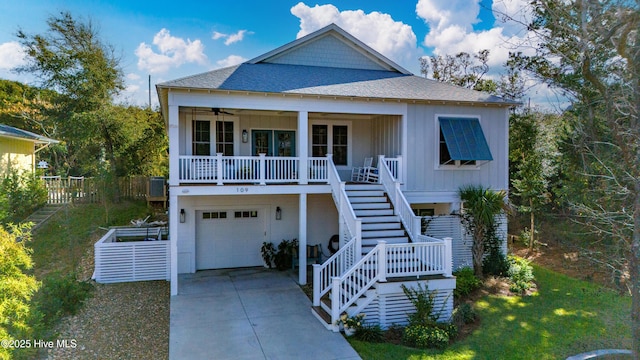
x,y
423,171
392,306
117,262
461,242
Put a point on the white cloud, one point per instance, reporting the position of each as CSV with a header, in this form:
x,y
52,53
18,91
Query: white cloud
x,y
451,28
11,55
230,61
394,39
173,52
133,76
231,38
132,88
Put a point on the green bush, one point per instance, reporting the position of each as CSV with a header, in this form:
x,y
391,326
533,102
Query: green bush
x,y
421,336
20,195
16,286
424,301
464,314
61,295
284,254
495,263
520,274
466,282
370,333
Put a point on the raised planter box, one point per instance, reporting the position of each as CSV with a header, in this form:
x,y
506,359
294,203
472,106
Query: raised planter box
x,y
132,254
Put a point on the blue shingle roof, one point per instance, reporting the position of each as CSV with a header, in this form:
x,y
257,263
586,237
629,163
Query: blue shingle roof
x,y
328,81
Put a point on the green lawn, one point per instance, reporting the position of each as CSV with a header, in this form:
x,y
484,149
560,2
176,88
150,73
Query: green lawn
x,y
61,242
566,317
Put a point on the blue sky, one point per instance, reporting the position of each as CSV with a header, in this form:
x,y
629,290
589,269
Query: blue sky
x,y
169,39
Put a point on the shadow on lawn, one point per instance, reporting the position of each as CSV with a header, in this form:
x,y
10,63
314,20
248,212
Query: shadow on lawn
x,y
566,316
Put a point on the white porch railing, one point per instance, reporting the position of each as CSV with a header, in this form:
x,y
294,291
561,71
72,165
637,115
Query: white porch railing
x,y
432,257
395,166
260,169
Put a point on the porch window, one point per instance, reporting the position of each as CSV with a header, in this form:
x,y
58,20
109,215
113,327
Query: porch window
x,y
201,138
319,140
334,137
462,142
224,137
340,146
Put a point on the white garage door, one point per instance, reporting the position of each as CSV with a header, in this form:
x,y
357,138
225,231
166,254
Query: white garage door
x,y
229,238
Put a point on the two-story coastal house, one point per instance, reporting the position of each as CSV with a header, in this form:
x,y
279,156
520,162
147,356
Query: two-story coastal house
x,y
266,151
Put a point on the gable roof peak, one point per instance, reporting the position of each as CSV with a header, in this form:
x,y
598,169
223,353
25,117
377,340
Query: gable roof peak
x,y
349,52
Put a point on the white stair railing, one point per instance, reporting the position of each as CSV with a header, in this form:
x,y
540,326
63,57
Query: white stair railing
x,y
335,266
351,250
349,287
350,224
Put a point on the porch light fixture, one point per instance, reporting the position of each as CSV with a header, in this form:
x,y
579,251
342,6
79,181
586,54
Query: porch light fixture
x,y
278,213
245,136
182,215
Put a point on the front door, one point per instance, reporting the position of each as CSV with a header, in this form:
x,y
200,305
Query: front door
x,y
273,142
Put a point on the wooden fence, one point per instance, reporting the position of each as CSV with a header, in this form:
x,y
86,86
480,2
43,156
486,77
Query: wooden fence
x,y
92,190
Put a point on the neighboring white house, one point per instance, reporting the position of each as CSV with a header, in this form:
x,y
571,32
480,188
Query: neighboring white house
x,y
249,163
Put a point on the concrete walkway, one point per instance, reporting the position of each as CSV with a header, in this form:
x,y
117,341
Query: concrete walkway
x,y
248,314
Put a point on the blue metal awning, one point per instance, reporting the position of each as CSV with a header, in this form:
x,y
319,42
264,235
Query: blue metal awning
x,y
465,139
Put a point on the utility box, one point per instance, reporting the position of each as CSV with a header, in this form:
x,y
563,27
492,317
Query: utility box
x,y
157,190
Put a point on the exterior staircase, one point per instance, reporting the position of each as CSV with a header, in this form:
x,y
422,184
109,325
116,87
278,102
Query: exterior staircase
x,y
42,215
372,206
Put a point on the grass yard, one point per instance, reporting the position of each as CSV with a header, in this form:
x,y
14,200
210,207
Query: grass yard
x,y
566,317
61,243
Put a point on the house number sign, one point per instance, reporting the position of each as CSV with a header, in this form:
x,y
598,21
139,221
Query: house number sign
x,y
242,189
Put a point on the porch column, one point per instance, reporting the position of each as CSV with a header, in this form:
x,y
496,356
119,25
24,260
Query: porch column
x,y
174,155
303,147
174,212
302,240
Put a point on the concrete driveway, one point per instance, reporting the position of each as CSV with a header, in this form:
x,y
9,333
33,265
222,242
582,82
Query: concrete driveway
x,y
249,313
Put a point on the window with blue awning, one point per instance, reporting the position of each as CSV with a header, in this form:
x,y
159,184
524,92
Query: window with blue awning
x,y
463,140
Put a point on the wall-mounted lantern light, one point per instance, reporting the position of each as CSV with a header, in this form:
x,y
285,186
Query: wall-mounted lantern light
x,y
182,215
245,136
278,213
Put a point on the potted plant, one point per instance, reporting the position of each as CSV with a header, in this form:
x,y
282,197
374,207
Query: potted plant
x,y
268,252
351,324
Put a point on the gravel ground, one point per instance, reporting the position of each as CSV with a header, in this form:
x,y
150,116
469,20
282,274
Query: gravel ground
x,y
120,321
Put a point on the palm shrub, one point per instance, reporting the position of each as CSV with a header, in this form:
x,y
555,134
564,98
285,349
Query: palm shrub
x,y
480,208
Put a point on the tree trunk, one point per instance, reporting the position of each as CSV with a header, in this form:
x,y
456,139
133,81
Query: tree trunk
x,y
634,269
532,229
477,250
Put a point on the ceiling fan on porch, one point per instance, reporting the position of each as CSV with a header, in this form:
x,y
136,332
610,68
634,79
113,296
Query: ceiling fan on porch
x,y
218,111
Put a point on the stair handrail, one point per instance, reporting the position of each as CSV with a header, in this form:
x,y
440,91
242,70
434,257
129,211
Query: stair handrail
x,y
401,206
349,287
333,267
346,214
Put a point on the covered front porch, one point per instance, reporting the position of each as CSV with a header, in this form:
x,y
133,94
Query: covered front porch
x,y
220,146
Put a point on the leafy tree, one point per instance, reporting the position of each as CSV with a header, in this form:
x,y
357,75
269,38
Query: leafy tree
x,y
591,50
16,287
71,59
463,69
481,206
531,152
